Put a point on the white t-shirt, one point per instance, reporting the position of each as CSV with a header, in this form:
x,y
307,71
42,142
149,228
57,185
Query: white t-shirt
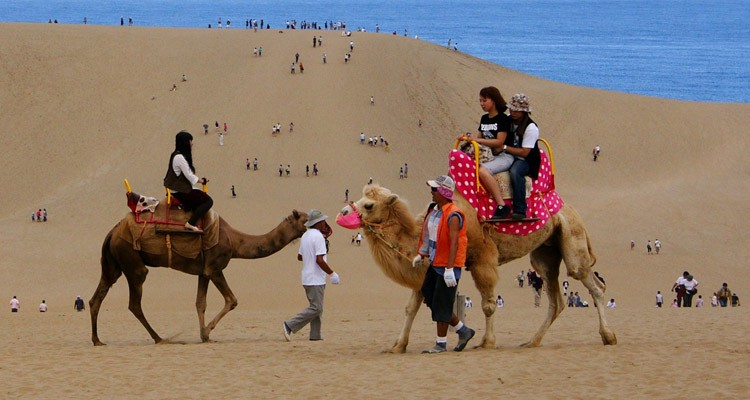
x,y
14,304
180,166
611,304
43,307
311,245
690,285
530,137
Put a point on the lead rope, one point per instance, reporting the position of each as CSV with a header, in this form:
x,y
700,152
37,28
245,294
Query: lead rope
x,y
379,234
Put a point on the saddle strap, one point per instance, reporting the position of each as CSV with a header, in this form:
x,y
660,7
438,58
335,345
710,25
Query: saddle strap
x,y
169,250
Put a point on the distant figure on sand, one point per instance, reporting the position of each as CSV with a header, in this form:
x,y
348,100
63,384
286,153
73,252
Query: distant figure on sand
x,y
234,194
78,304
596,152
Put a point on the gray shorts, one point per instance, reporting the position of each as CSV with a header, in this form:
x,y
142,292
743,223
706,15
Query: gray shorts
x,y
501,163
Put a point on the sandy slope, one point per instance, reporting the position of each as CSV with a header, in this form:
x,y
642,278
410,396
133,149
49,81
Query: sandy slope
x,y
84,107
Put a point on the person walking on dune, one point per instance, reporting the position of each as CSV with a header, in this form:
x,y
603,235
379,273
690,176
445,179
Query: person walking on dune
x,y
313,252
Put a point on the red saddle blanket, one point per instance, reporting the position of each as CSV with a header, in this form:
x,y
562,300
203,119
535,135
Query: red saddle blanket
x,y
542,203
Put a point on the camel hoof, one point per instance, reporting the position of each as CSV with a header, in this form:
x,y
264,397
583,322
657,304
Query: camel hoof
x,y
529,345
609,339
98,343
395,350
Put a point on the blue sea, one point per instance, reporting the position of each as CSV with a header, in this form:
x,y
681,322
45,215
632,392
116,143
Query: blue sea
x,y
679,49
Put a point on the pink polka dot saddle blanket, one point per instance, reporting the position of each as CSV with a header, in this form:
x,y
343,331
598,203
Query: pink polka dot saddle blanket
x,y
542,203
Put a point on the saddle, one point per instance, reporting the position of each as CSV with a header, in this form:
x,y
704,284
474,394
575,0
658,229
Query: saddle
x,y
484,154
541,198
157,227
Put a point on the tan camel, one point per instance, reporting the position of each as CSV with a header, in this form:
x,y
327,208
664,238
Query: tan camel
x,y
393,233
119,258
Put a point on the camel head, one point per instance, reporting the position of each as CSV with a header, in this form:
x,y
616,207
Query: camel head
x,y
296,220
377,206
370,209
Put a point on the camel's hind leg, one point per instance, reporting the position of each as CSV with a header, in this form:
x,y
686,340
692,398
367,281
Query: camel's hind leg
x,y
415,301
110,273
200,306
546,261
579,258
596,288
230,302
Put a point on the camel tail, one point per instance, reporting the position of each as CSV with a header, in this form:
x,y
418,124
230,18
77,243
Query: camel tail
x,y
111,271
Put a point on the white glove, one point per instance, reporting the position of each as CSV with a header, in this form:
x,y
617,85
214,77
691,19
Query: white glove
x,y
335,278
450,277
417,261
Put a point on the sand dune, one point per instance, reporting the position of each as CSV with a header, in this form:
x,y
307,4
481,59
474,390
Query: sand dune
x,y
84,107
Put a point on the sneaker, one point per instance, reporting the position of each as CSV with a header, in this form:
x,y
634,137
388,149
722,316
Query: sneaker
x,y
287,332
192,228
518,216
463,338
501,212
434,350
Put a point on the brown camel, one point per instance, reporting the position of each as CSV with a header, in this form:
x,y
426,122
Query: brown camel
x,y
392,232
119,258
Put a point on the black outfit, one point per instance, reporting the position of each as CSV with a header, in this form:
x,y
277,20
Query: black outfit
x,y
490,126
197,201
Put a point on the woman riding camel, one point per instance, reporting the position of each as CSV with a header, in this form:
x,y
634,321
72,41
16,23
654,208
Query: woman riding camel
x,y
181,177
493,131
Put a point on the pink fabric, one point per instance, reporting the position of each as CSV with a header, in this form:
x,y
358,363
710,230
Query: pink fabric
x,y
543,203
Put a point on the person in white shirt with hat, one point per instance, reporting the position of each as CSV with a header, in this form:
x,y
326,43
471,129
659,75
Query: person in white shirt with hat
x,y
313,252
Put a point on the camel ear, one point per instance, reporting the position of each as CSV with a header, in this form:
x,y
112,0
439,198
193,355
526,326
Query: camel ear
x,y
391,199
296,214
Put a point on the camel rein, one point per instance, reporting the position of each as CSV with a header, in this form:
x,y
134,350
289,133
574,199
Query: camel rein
x,y
377,230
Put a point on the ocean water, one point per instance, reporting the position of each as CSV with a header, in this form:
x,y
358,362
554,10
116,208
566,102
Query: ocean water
x,y
679,49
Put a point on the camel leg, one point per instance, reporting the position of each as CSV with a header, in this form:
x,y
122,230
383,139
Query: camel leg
x,y
596,288
110,273
230,302
579,260
94,305
485,278
546,261
200,306
415,301
136,277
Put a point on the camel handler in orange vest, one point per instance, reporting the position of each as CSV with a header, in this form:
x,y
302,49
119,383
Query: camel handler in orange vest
x,y
443,240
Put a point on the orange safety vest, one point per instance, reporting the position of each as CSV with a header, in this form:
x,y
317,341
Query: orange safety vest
x,y
444,241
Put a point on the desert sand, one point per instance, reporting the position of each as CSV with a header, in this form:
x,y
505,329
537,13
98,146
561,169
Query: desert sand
x,y
84,107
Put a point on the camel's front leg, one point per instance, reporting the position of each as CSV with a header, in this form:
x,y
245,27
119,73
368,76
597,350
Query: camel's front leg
x,y
200,306
415,301
230,301
596,288
485,278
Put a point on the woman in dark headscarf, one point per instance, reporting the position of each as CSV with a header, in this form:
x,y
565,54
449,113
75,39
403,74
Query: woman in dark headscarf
x,y
181,177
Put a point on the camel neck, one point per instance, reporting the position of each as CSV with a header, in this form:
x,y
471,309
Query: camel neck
x,y
258,246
